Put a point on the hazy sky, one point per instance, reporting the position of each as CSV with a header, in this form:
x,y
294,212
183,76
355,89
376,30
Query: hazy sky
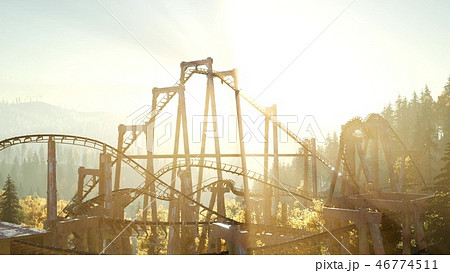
x,y
74,54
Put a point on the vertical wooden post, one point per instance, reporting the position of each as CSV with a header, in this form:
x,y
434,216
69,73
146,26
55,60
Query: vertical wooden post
x,y
267,189
93,241
106,175
418,226
314,166
375,163
345,239
363,230
187,156
305,168
51,181
401,181
187,215
360,167
174,216
205,229
210,86
376,238
81,176
331,242
149,180
363,166
385,143
363,240
203,143
334,177
242,151
406,228
350,156
276,172
121,130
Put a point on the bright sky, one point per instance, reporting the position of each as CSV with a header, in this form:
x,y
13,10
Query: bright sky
x,y
74,54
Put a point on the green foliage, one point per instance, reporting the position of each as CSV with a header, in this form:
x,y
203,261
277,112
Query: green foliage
x,y
438,214
35,211
309,219
10,209
235,210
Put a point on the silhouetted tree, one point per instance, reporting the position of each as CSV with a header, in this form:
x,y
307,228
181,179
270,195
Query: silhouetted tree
x,y
438,214
10,209
427,119
443,113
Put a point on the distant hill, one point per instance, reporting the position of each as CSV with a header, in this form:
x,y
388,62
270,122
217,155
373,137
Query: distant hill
x,y
39,117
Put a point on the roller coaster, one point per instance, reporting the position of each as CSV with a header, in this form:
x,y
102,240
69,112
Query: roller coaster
x,y
358,193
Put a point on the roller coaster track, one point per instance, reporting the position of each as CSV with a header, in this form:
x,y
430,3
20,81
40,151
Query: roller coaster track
x,y
233,169
148,118
229,81
87,206
160,186
377,118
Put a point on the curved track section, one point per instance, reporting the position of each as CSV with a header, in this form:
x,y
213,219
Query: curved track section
x,y
88,205
261,109
162,188
374,120
232,169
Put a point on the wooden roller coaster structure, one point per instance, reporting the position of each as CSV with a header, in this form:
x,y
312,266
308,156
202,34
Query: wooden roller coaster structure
x,y
98,223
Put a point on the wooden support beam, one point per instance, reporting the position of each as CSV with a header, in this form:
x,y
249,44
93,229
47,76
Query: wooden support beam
x,y
202,242
267,190
81,176
174,215
363,239
276,163
118,169
418,227
150,142
377,240
306,169
352,215
350,170
51,181
334,177
188,233
105,186
401,180
242,151
171,156
362,160
385,143
314,166
375,163
185,65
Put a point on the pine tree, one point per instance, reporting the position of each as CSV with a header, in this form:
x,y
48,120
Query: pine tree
x,y
438,214
401,124
443,111
429,127
10,209
388,113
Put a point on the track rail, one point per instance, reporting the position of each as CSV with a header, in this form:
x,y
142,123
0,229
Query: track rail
x,y
130,137
228,81
160,186
287,190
